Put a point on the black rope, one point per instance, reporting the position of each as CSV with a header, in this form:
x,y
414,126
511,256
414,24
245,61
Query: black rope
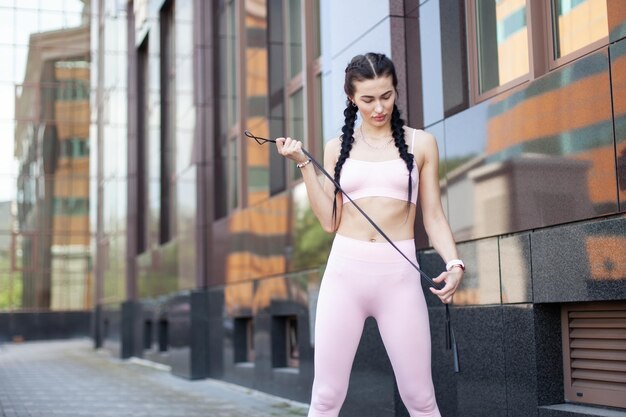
x,y
450,339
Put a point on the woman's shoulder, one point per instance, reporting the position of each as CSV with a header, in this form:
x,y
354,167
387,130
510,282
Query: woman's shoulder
x,y
409,131
332,148
420,136
333,145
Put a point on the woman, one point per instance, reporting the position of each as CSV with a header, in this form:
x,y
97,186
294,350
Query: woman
x,y
380,163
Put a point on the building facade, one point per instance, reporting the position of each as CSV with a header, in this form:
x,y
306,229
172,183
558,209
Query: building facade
x,y
45,265
209,259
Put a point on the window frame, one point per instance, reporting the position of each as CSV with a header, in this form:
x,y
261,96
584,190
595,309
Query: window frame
x,y
233,133
235,200
295,84
541,59
305,81
472,39
313,68
167,109
554,63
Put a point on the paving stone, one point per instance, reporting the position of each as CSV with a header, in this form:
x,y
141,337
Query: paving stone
x,y
70,379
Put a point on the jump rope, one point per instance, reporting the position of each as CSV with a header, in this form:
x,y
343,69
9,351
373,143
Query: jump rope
x,y
450,339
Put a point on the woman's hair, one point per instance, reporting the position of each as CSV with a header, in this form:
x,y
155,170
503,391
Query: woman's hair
x,y
369,67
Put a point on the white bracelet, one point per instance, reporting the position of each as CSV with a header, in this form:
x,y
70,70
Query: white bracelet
x,y
303,164
453,263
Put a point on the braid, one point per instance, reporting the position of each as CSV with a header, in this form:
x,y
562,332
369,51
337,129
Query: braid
x,y
347,139
397,128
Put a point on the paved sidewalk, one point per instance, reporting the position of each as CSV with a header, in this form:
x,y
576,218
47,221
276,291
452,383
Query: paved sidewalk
x,y
70,379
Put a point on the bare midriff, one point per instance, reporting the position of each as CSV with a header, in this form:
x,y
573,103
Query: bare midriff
x,y
395,217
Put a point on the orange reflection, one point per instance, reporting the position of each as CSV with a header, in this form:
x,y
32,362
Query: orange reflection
x,y
268,290
256,87
542,143
618,74
605,257
513,50
555,111
581,25
238,298
260,235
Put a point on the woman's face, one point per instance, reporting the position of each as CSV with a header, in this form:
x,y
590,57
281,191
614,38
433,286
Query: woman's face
x,y
375,99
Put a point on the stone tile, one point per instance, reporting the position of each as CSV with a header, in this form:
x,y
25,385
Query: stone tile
x,y
515,269
444,379
580,262
481,384
520,359
70,379
549,352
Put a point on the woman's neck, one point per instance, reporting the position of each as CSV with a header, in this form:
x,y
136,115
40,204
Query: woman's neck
x,y
376,133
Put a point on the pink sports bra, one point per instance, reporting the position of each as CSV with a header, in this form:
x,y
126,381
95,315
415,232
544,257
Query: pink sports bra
x,y
389,178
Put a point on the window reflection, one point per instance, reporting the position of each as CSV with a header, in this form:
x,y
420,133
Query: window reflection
x,y
243,340
277,81
293,348
294,35
233,172
45,260
256,89
530,158
578,23
226,184
502,37
296,119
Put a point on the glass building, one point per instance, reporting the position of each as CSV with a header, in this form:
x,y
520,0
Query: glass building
x,y
46,280
136,196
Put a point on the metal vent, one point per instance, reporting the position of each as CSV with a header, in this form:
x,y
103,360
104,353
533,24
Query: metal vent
x,y
594,343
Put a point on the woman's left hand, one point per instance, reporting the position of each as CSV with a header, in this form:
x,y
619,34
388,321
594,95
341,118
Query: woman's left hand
x,y
452,281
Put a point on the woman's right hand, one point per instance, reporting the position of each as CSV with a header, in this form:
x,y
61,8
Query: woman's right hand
x,y
291,149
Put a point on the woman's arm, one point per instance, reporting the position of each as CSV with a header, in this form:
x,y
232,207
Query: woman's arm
x,y
435,221
320,196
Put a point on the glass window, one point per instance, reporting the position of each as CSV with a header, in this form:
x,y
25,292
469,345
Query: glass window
x,y
285,346
228,52
168,119
72,90
244,340
318,113
294,33
578,23
10,288
233,185
73,148
293,350
278,179
256,83
70,206
276,33
502,38
317,42
296,121
227,109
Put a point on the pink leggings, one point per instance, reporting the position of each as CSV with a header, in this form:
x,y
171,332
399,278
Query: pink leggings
x,y
365,279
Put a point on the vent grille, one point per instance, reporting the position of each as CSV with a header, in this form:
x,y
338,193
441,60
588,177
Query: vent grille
x,y
594,341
